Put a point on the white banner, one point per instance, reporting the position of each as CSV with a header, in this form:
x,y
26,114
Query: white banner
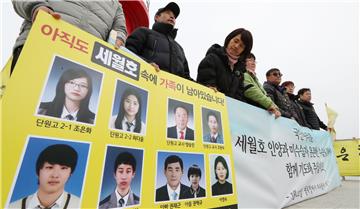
x,y
277,162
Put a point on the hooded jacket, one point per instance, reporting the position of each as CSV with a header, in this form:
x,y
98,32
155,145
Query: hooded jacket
x,y
214,71
95,17
158,45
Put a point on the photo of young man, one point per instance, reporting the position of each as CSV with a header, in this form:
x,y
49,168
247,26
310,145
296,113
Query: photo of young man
x,y
124,172
212,127
122,178
54,167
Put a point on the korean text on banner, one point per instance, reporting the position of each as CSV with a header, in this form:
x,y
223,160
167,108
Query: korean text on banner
x,y
277,162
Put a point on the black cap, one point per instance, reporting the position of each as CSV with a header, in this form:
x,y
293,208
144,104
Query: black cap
x,y
172,6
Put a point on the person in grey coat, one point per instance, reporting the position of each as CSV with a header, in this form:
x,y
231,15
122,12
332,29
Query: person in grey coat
x,y
95,17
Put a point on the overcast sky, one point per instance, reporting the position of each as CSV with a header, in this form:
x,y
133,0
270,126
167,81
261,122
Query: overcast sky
x,y
314,43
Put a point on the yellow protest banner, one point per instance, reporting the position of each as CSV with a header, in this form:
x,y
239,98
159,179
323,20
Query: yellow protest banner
x,y
83,120
347,154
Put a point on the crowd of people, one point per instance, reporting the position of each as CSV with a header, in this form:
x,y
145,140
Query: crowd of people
x,y
229,69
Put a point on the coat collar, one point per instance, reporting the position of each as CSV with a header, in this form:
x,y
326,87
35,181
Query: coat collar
x,y
306,103
165,28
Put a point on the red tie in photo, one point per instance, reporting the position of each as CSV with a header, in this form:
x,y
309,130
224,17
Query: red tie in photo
x,y
181,134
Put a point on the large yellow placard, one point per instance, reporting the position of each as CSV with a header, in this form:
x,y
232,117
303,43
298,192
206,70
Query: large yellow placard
x,y
73,93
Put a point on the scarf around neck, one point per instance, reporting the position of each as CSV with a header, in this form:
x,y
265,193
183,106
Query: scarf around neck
x,y
232,59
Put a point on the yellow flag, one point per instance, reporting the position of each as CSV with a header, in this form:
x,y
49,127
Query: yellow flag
x,y
332,115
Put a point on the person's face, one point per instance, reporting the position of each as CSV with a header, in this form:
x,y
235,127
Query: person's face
x,y
290,88
53,177
221,172
274,77
250,64
131,105
194,179
166,17
213,124
181,118
306,96
236,46
76,89
173,174
123,176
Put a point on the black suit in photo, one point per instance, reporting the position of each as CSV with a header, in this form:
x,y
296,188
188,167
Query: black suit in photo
x,y
163,195
199,193
172,133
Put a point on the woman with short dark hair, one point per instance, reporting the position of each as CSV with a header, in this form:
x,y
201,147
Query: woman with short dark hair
x,y
223,67
194,176
221,187
255,93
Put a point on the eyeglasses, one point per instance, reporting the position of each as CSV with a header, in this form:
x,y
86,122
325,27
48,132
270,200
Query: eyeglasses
x,y
80,85
277,74
251,60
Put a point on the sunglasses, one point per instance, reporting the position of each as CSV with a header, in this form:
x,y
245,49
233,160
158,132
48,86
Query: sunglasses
x,y
277,74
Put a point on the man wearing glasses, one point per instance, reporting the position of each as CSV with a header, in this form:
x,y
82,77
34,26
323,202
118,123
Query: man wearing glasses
x,y
278,94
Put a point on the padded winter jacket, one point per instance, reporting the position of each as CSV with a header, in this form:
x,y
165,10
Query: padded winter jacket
x,y
214,71
311,117
158,45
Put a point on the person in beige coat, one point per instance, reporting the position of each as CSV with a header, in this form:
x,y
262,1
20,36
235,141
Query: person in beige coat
x,y
95,17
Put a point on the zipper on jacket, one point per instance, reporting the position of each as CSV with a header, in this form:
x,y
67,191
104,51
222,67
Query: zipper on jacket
x,y
154,47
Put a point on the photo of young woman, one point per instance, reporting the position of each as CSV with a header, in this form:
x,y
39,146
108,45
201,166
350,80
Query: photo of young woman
x,y
131,108
71,92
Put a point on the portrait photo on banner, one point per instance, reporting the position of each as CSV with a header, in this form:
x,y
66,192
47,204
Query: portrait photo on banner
x,y
220,174
179,176
211,126
48,167
180,120
122,177
129,110
71,92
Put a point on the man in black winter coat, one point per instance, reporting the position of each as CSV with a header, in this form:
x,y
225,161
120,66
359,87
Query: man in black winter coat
x,y
309,111
157,46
